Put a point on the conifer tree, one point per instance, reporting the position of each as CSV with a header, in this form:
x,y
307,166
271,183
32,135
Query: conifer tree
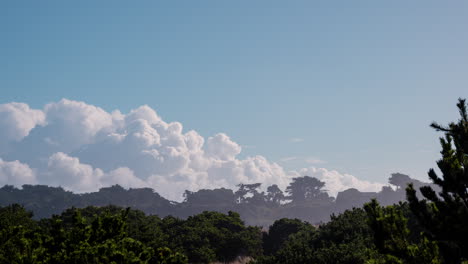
x,y
444,215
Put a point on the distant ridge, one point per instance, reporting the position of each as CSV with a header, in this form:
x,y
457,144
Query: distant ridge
x,y
256,207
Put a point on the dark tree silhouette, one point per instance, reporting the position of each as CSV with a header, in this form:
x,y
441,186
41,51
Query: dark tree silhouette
x,y
306,188
202,197
280,231
274,195
248,193
399,180
444,215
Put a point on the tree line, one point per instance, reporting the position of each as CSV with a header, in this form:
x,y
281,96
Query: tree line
x,y
304,198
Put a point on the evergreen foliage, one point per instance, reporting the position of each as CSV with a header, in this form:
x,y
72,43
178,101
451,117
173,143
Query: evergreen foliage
x,y
393,240
345,239
444,215
114,235
440,218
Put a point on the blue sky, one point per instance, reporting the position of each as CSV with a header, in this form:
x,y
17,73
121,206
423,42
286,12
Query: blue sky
x,y
357,83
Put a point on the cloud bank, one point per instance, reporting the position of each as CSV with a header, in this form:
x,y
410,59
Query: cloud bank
x,y
82,148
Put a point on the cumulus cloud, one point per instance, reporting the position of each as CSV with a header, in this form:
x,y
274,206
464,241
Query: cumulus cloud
x,y
72,123
222,147
123,177
336,182
16,173
82,148
17,120
71,174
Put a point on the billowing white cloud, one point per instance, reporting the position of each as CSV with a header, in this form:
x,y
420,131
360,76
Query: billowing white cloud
x,y
71,174
17,120
144,113
222,147
82,148
16,173
336,182
72,124
123,177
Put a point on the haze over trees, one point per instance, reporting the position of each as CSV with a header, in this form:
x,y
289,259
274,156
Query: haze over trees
x,y
305,199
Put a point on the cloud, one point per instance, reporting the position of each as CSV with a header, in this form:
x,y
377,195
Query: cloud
x,y
17,120
296,140
71,174
312,160
82,148
309,160
287,159
72,124
16,173
336,182
222,147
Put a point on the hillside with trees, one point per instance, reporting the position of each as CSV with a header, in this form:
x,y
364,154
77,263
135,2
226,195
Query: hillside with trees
x,y
305,199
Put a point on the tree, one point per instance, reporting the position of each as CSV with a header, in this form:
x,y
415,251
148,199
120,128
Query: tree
x,y
165,255
18,242
392,237
213,197
306,188
444,215
346,239
399,180
279,232
212,236
274,195
248,193
15,215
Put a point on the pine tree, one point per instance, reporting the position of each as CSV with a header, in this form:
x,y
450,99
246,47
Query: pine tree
x,y
444,215
392,237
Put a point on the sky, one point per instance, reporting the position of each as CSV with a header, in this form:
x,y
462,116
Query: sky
x,y
336,88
